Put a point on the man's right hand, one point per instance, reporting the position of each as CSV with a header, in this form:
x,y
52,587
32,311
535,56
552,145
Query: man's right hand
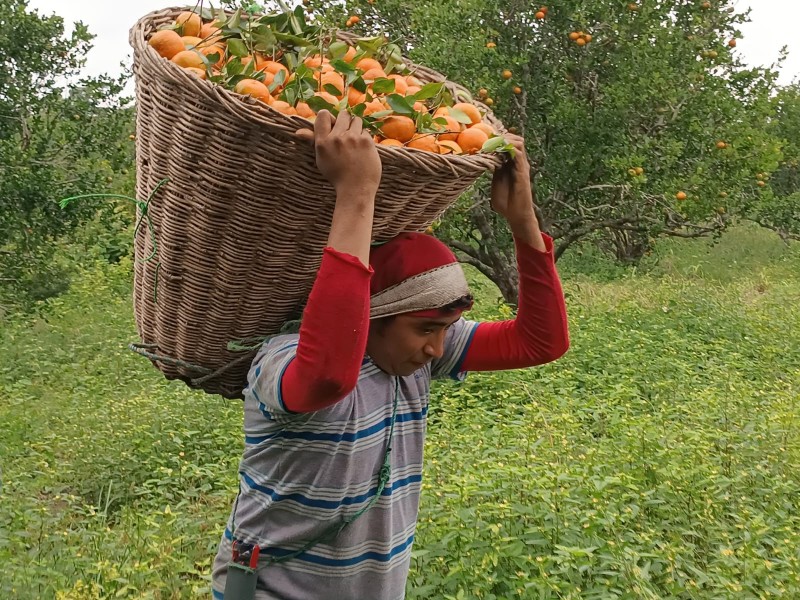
x,y
346,154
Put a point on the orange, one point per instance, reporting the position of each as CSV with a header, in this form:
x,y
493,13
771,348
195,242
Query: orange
x,y
355,97
507,74
304,110
721,145
680,196
539,15
442,111
329,98
189,23
270,66
373,107
211,32
412,89
167,43
374,73
313,62
398,127
191,41
470,110
732,43
283,107
484,127
448,147
580,42
453,128
400,83
391,142
587,37
411,80
333,79
201,73
425,142
574,35
365,64
471,140
189,58
517,89
420,107
209,50
268,79
254,88
483,92
318,62
350,54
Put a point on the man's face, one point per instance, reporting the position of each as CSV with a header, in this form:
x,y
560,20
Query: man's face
x,y
403,344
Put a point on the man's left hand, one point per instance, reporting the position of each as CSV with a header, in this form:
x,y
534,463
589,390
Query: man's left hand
x,y
512,195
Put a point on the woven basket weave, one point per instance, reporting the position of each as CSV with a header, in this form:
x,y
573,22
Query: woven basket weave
x,y
241,224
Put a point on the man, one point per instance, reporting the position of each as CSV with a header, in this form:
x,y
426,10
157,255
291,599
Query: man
x,y
335,417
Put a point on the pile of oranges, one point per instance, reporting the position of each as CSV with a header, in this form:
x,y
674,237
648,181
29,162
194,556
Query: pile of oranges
x,y
395,105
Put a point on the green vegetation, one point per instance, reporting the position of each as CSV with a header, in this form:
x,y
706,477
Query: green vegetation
x,y
658,459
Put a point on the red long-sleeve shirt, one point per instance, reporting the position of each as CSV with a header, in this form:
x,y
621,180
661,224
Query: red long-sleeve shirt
x,y
333,335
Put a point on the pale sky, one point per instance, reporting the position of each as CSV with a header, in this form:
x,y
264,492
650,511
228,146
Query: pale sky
x,y
774,24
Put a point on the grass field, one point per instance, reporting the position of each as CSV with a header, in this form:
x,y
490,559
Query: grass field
x,y
659,459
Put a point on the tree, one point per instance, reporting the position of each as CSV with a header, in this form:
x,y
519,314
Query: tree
x,y
640,120
780,210
59,136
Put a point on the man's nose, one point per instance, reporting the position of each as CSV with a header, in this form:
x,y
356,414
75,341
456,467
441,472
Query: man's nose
x,y
435,346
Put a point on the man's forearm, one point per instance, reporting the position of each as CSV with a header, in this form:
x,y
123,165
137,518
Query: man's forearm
x,y
351,226
525,228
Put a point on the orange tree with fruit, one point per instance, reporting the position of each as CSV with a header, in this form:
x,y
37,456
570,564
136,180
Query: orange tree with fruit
x,y
296,66
623,106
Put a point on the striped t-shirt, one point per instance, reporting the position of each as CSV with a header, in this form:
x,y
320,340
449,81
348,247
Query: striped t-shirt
x,y
301,473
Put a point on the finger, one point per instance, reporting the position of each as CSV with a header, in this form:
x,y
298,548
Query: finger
x,y
305,134
356,126
342,123
323,124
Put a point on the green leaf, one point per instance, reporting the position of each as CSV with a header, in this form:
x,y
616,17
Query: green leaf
x,y
289,95
343,67
294,40
317,104
459,115
280,77
400,105
277,81
372,45
429,90
264,40
382,113
235,20
332,90
359,84
383,86
237,47
337,50
493,144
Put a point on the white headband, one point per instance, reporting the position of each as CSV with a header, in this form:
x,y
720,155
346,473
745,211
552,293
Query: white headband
x,y
429,290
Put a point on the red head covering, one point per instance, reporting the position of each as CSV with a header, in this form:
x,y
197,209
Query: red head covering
x,y
405,256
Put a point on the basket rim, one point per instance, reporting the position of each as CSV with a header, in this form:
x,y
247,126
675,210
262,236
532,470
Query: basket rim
x,y
266,115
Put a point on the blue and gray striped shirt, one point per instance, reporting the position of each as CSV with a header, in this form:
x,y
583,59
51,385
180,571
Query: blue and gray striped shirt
x,y
301,473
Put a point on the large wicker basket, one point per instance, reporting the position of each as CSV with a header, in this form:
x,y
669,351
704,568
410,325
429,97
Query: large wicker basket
x,y
239,228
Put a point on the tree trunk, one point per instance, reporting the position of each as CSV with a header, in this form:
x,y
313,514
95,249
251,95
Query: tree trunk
x,y
487,252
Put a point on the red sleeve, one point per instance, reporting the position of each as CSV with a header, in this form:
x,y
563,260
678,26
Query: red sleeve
x,y
333,335
539,334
